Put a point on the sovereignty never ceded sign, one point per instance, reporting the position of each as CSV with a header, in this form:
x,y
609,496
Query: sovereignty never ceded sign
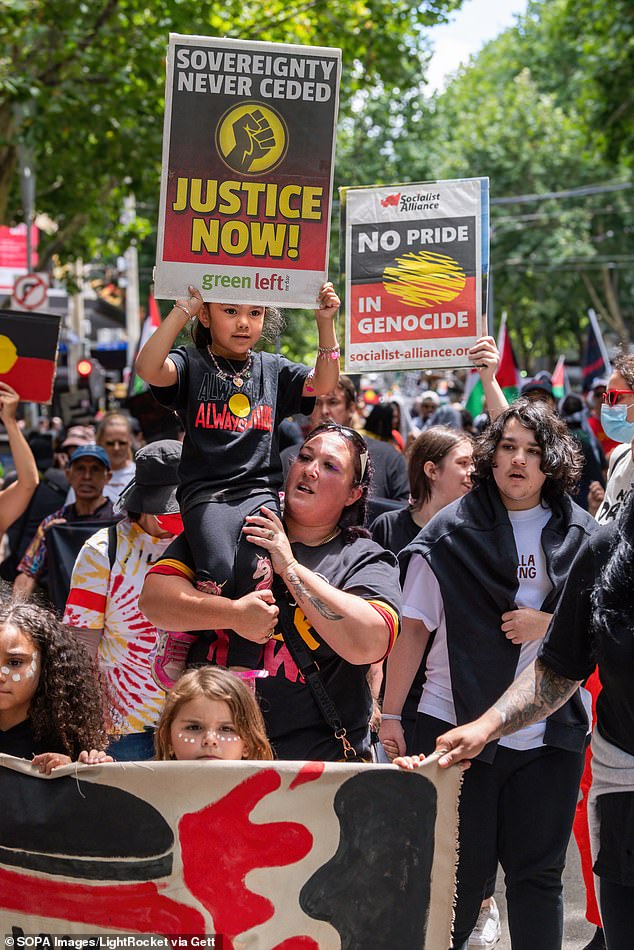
x,y
416,267
248,158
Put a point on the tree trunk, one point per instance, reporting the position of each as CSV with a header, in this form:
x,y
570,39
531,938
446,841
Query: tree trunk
x,y
8,155
608,308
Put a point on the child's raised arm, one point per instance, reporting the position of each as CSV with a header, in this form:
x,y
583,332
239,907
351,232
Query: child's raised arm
x,y
153,363
326,373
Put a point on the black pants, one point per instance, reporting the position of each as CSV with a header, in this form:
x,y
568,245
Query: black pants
x,y
229,565
617,913
518,811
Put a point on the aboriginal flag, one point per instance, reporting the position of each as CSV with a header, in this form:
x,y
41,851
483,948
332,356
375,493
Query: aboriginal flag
x,y
28,353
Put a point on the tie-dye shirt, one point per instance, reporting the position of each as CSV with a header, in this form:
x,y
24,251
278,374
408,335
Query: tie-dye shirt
x,y
103,599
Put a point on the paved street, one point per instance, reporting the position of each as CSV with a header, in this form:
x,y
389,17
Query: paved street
x,y
577,930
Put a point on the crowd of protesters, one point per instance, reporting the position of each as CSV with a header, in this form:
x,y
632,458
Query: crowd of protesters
x,y
502,575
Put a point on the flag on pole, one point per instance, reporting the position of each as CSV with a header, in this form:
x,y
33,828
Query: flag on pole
x,y
507,375
150,324
28,353
558,379
595,362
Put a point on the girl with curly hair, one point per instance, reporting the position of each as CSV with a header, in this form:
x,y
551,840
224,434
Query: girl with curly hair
x,y
51,703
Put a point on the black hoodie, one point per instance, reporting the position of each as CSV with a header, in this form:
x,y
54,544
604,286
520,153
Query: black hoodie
x,y
470,547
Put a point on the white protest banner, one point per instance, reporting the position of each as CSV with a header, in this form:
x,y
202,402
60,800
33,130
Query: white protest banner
x,y
248,161
264,855
416,268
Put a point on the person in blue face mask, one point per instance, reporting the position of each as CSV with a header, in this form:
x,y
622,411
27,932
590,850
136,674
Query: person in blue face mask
x,y
617,419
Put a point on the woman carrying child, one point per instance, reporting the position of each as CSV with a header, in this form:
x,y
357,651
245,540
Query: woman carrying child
x,y
231,401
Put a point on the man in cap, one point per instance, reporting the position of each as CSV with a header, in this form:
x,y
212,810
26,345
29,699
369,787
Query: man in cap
x,y
539,390
103,603
88,472
426,405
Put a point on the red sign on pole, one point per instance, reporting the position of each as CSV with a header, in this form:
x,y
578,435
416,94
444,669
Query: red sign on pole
x,y
30,292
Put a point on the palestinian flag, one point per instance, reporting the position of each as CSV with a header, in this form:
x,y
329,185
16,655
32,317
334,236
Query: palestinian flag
x,y
558,380
507,375
28,353
152,322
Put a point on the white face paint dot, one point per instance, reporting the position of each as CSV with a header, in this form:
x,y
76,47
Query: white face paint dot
x,y
5,670
16,677
29,674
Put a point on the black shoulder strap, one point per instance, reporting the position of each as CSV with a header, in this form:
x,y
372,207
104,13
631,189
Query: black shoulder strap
x,y
112,545
310,671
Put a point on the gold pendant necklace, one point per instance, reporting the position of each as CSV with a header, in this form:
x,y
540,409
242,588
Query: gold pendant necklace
x,y
236,377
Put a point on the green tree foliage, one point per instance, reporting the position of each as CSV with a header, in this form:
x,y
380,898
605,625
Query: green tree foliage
x,y
82,85
535,113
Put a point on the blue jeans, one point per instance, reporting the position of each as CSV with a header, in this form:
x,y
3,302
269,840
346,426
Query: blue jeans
x,y
135,747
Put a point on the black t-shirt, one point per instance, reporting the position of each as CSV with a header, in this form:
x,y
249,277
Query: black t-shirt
x,y
231,443
294,724
573,646
19,741
394,530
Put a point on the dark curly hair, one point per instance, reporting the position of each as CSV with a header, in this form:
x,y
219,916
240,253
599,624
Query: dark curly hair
x,y
353,517
561,460
68,709
272,328
613,596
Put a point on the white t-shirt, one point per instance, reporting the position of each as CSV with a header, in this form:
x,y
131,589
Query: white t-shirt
x,y
620,484
422,600
103,599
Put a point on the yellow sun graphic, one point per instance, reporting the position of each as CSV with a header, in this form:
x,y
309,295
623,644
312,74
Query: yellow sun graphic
x,y
239,405
8,354
424,279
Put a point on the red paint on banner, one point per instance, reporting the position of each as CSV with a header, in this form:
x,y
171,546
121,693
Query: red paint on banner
x,y
130,907
297,943
220,845
308,773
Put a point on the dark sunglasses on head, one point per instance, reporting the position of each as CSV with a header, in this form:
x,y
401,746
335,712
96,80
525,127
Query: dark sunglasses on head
x,y
347,433
611,396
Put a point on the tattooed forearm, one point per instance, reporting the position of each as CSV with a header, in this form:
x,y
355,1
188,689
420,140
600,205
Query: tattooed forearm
x,y
302,592
535,694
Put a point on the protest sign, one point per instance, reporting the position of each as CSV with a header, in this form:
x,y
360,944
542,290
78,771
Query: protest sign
x,y
265,855
416,268
28,353
248,159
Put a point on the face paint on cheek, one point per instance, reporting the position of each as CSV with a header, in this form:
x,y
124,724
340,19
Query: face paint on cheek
x,y
179,735
16,677
5,670
32,670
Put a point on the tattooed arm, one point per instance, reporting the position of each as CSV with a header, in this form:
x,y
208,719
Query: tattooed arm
x,y
350,625
535,694
347,622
